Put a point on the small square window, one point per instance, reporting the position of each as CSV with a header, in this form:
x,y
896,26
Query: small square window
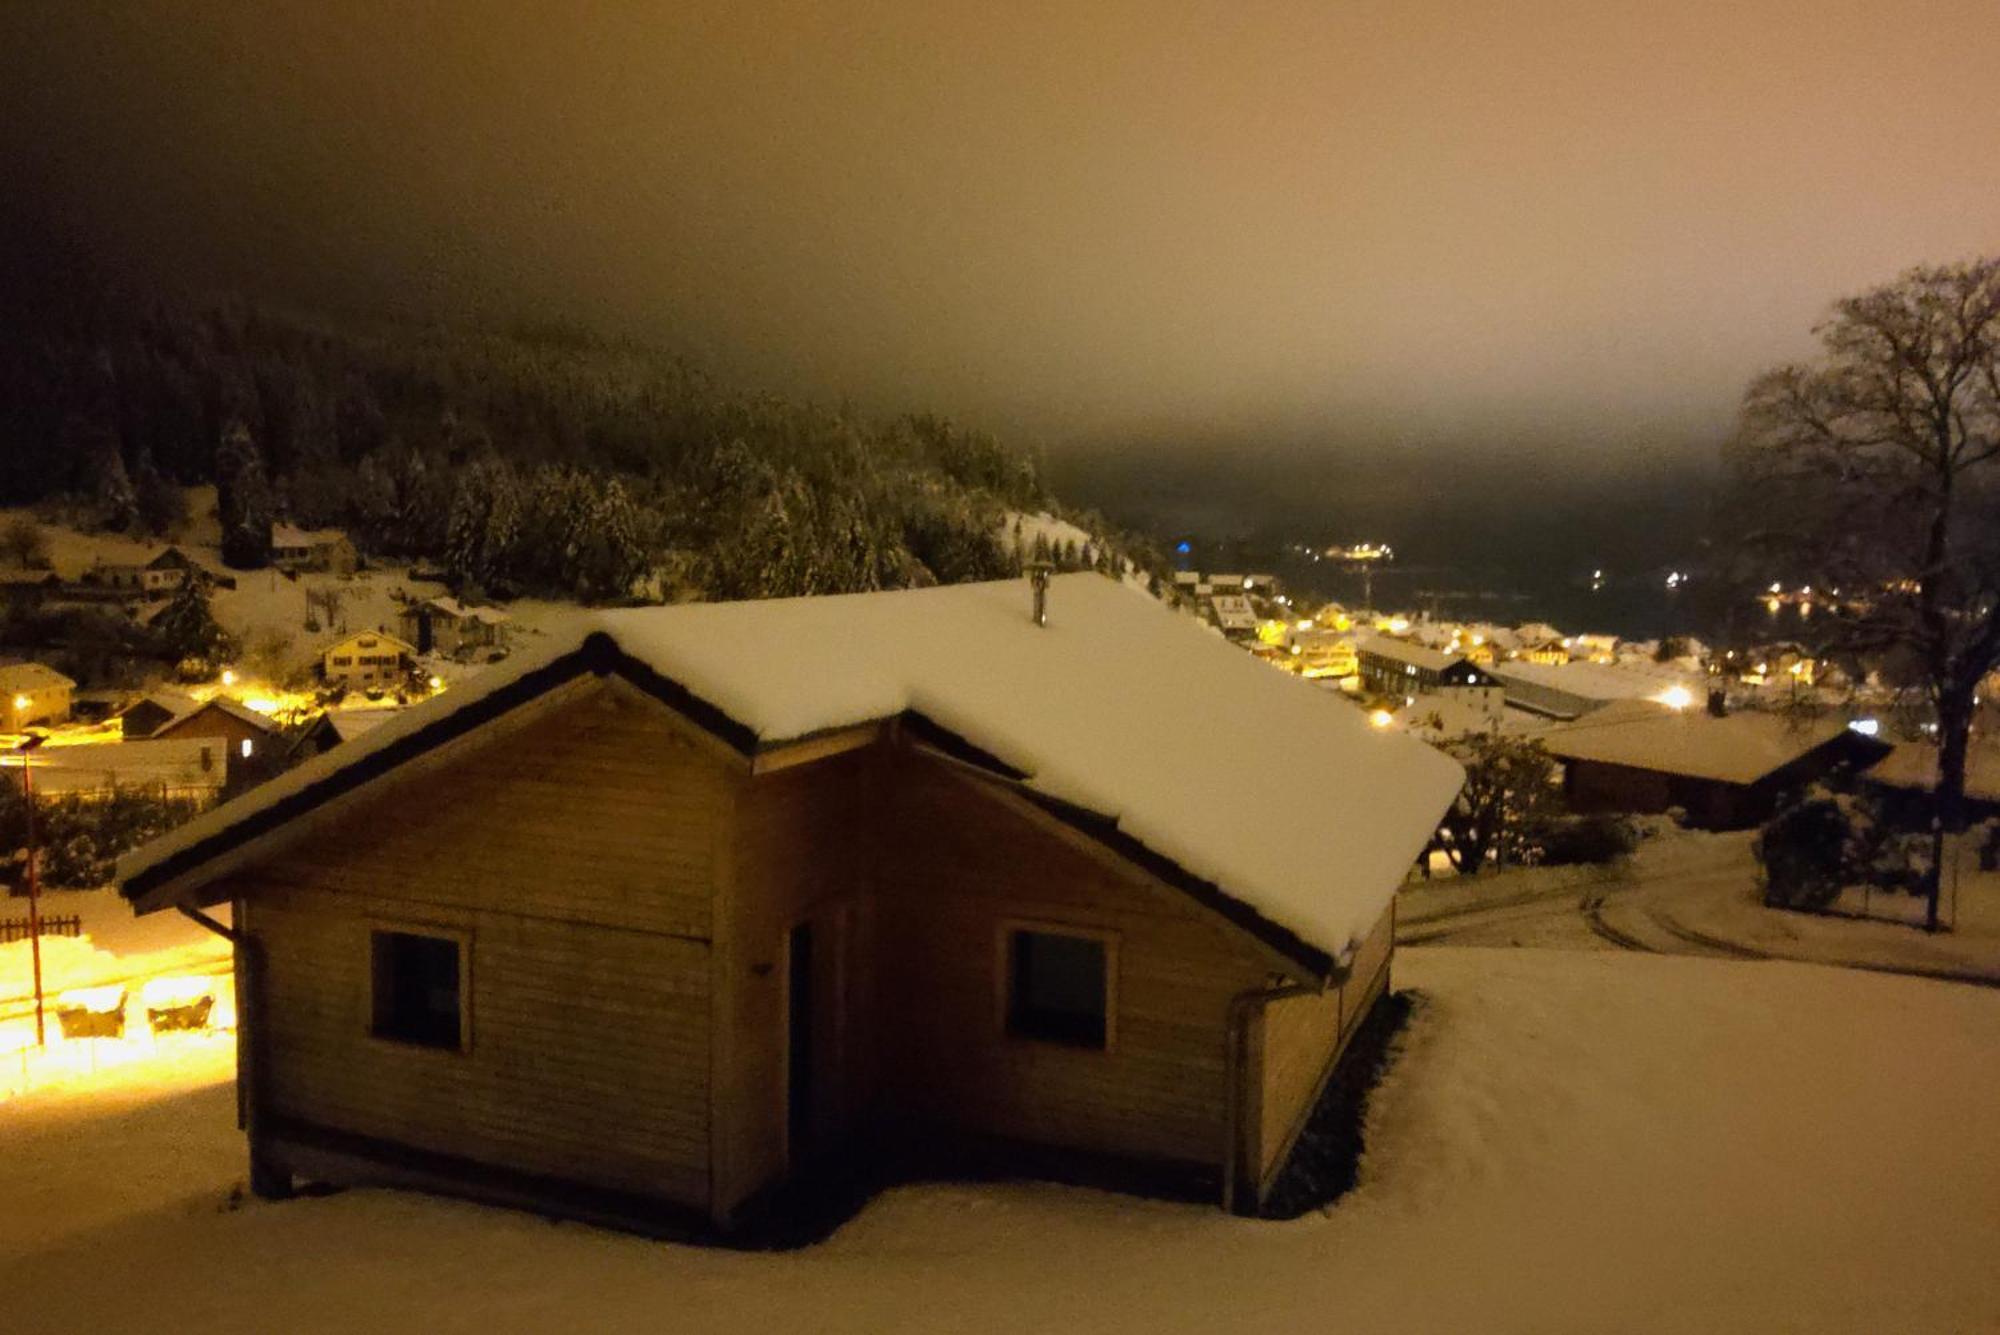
x,y
418,989
1057,988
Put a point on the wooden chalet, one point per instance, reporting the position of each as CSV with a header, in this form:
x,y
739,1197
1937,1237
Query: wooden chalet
x,y
642,928
1391,666
1726,771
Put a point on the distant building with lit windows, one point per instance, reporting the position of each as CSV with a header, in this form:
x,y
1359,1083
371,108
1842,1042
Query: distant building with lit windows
x,y
1399,667
370,659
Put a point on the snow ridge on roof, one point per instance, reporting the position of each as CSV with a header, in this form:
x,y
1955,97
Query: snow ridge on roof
x,y
1284,798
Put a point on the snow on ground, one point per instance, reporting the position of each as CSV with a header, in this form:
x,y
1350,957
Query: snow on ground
x,y
116,950
1568,1142
1686,891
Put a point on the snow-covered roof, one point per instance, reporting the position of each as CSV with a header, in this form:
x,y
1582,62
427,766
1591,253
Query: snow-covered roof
x,y
222,703
1914,766
1405,651
175,763
290,535
343,640
1741,747
347,724
1297,809
1599,681
16,677
1233,612
459,611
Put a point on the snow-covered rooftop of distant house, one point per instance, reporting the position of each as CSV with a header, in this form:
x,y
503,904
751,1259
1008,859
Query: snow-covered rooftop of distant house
x,y
459,611
347,724
1085,707
1914,766
30,677
1233,612
345,637
1599,681
290,535
1404,651
1741,747
175,763
234,708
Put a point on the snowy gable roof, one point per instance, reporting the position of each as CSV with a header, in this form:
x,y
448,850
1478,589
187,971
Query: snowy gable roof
x,y
1740,748
1405,651
31,677
1297,809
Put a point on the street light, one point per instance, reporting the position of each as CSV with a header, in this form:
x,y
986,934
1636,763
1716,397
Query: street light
x,y
24,750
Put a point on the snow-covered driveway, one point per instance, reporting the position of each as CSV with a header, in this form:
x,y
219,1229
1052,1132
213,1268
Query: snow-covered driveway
x,y
1571,1141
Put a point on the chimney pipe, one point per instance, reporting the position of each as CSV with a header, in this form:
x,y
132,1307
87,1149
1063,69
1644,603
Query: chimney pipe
x,y
1718,702
1038,580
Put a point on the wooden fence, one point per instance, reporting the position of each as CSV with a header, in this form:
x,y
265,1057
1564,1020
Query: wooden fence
x,y
16,929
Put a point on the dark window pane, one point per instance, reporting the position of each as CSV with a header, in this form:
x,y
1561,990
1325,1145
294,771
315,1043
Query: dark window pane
x,y
1057,988
416,987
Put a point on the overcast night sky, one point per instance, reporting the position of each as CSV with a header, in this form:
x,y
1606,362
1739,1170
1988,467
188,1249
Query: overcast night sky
x,y
1548,232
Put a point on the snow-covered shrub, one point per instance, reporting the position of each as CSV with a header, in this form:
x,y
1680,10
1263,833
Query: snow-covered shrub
x,y
1827,841
1593,839
1803,851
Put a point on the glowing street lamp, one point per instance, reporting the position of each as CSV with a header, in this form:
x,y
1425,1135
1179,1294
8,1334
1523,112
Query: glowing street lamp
x,y
1676,697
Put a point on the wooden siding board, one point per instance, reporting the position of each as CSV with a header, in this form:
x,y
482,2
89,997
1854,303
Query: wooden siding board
x,y
961,865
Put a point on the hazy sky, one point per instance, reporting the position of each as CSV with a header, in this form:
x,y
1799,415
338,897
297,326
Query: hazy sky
x,y
1554,231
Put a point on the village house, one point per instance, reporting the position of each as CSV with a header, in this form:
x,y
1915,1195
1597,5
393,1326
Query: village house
x,y
369,660
1725,770
1552,652
699,897
326,550
1233,615
30,694
151,712
1324,652
162,576
447,626
1404,668
248,738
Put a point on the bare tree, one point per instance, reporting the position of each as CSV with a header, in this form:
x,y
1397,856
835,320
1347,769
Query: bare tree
x,y
23,543
323,606
1876,471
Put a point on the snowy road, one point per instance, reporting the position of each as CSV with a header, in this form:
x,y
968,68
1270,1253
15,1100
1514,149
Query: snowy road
x,y
1569,1141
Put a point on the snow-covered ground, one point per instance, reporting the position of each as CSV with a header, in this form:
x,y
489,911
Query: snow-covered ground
x,y
1694,893
1569,1141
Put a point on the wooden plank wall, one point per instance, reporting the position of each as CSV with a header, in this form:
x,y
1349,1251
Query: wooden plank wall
x,y
1297,1042
962,865
580,857
801,845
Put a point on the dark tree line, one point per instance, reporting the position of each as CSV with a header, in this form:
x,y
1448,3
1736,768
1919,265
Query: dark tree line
x,y
534,460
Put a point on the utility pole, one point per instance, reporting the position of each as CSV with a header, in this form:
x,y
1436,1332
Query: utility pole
x,y
26,751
